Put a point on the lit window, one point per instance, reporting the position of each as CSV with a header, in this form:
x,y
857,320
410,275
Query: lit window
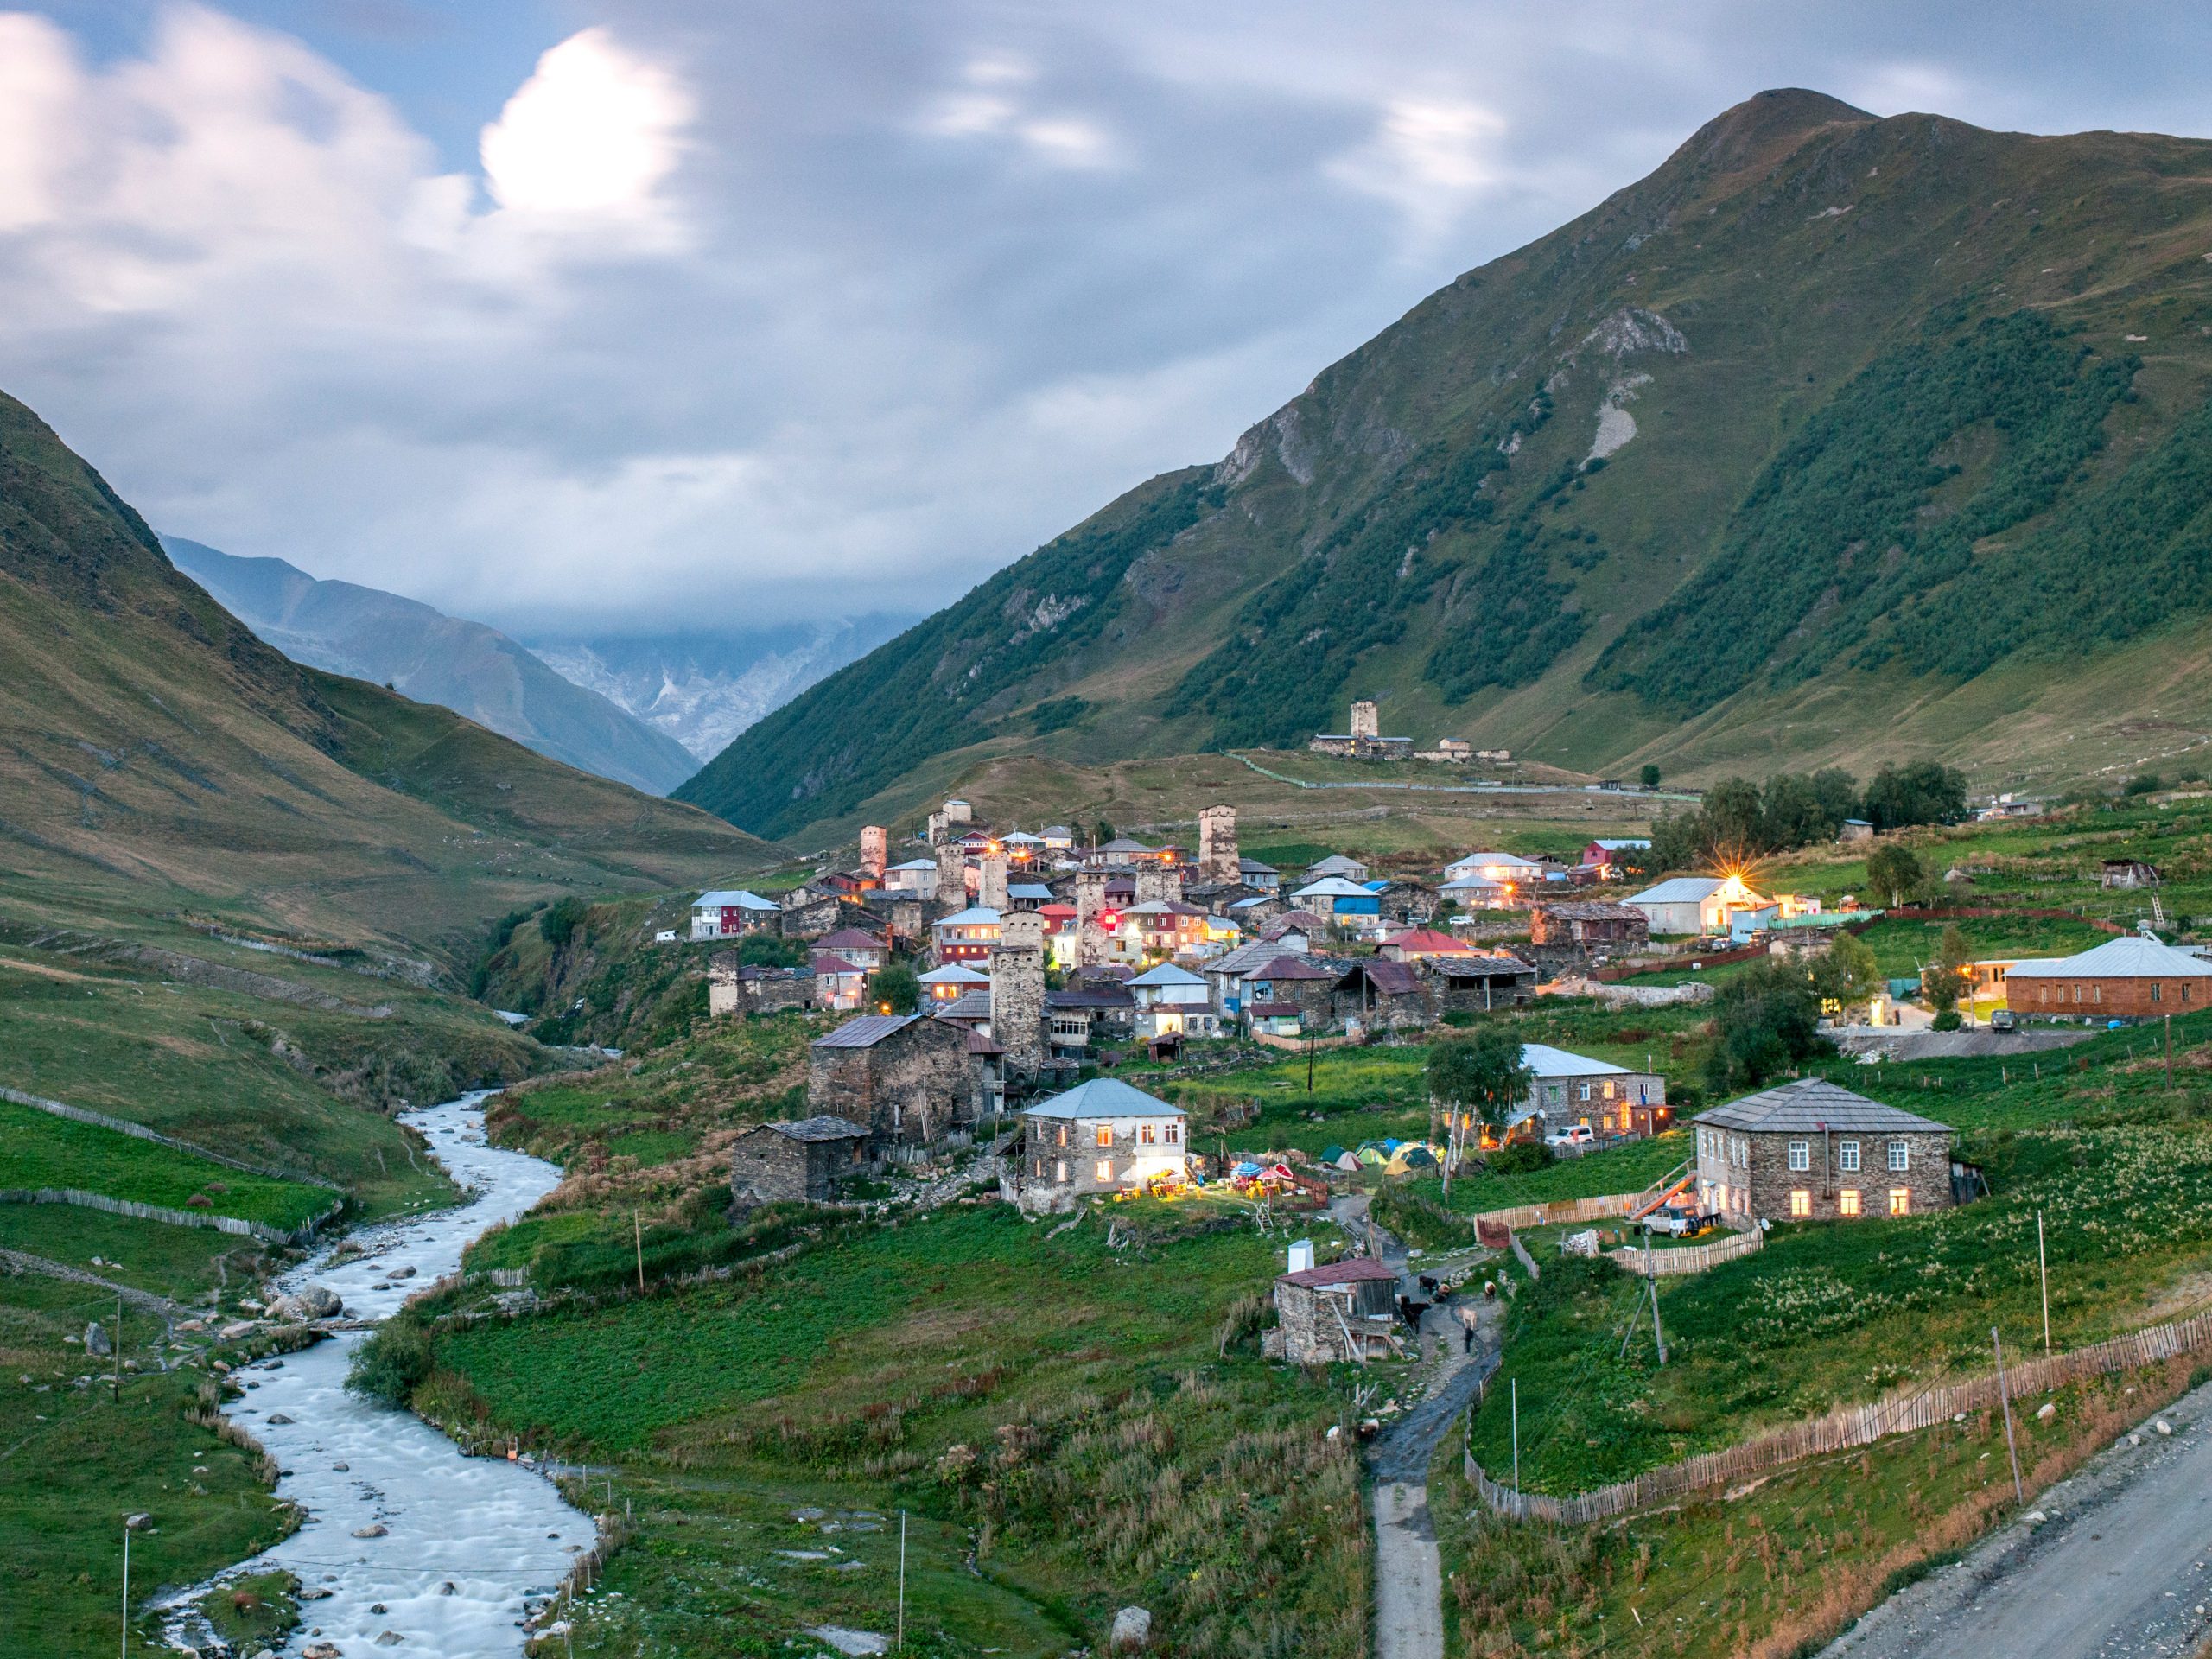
x,y
1172,1134
1900,1155
1900,1200
1105,1134
1847,1201
1608,1090
1148,1134
1800,1155
1800,1204
1063,1134
1848,1156
1104,1171
1060,1172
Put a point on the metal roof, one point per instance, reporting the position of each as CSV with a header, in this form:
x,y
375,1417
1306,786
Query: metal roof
x,y
1167,974
1391,978
1679,890
1350,1271
1283,967
866,1031
1548,1062
1631,842
2131,957
917,864
1334,864
1029,890
953,973
732,898
823,1127
834,965
969,1004
974,915
848,938
1333,887
1811,1104
1428,939
1102,1097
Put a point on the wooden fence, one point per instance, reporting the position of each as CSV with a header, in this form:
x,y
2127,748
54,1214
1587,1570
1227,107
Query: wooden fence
x,y
298,1235
140,1131
1846,1428
1690,1258
1566,1210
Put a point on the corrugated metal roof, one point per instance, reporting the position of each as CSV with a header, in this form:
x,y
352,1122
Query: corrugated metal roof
x,y
953,973
1811,1104
732,898
1333,886
834,965
1679,890
1102,1097
1350,1271
866,1031
974,915
1167,974
1390,978
2133,957
1548,1062
1283,967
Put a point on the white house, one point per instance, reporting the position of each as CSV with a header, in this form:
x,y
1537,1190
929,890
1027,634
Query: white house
x,y
970,935
1339,865
1496,869
1097,1138
952,982
1172,1000
916,876
1688,904
725,913
1337,896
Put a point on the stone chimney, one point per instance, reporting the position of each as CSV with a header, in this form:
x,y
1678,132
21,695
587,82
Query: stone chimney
x,y
1018,992
874,853
990,881
1365,722
1218,844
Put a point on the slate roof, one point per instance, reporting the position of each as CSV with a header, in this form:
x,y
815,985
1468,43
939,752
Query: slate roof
x,y
1123,844
1245,957
1106,997
969,1004
1255,867
1334,864
1102,1097
1589,910
1427,940
1478,967
1390,978
1350,1271
823,1127
1283,968
2133,957
866,1031
848,938
834,965
1811,1104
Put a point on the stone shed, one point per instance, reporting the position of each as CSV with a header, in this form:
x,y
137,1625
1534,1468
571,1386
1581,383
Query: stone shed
x,y
801,1162
735,987
1345,1312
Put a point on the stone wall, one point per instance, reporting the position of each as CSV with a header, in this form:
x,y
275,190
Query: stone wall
x,y
990,881
1762,1181
1157,884
951,878
910,1087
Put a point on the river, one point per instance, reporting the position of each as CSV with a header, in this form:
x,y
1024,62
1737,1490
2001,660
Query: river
x,y
469,1544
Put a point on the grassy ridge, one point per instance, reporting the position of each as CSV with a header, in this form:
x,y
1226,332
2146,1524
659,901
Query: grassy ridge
x,y
38,1149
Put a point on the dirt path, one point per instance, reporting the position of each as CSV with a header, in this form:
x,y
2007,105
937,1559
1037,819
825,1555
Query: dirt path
x,y
2122,1566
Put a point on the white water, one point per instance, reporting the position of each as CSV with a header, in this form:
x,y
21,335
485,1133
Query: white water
x,y
496,1532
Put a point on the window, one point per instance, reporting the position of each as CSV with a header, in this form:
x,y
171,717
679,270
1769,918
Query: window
x,y
1103,1171
1063,1134
1800,1155
1900,1200
1800,1204
1900,1155
2155,989
1847,1201
1060,1172
1148,1134
1608,1090
1848,1158
2096,993
1586,1092
1040,1169
1105,1134
1172,1134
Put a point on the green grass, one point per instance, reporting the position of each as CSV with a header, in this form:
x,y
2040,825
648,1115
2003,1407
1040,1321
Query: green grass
x,y
254,1612
179,1263
38,1149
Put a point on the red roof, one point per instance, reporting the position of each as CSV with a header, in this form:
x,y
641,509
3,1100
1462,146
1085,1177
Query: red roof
x,y
1289,967
826,964
849,938
1426,941
1352,1270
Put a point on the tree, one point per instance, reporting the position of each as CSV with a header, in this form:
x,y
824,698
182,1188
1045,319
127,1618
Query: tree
x,y
1648,777
895,986
562,920
1943,981
1892,868
1848,971
1765,1020
1481,1077
1100,833
1921,793
764,949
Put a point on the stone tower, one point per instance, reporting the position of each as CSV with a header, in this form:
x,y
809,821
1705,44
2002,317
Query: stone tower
x,y
951,877
1089,906
1366,723
1018,992
1218,844
874,850
958,811
1158,883
990,881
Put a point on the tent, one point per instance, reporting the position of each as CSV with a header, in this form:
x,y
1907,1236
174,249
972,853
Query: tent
x,y
1347,1160
1415,1157
1373,1156
1332,1154
1392,1145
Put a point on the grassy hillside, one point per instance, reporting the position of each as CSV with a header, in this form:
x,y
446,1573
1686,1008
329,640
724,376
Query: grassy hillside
x,y
1834,437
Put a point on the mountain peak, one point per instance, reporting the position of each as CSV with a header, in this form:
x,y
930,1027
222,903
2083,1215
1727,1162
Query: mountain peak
x,y
1765,120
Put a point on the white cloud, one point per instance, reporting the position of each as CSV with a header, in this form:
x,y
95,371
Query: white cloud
x,y
984,107
595,130
1429,156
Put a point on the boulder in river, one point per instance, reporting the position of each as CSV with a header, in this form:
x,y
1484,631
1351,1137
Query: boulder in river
x,y
309,1302
374,1530
279,1417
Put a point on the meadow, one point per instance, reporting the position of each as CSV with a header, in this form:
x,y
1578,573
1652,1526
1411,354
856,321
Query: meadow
x,y
38,1149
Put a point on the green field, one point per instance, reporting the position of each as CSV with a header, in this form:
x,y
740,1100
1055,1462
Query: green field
x,y
38,1149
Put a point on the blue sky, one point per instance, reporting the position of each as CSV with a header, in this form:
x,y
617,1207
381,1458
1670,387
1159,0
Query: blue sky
x,y
613,314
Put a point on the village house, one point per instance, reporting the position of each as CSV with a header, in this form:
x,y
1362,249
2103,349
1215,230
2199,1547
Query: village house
x,y
1379,994
1224,973
1855,829
2130,978
1256,912
1421,944
1507,870
966,936
1295,930
810,913
839,985
726,914
799,1162
1363,742
1478,984
954,980
1687,905
908,1078
1082,1017
2129,873
1057,837
1165,928
1812,1150
1172,1001
1342,866
1275,1019
1265,878
1292,981
865,950
1339,899
1097,1138
736,987
1590,924
1028,895
1343,1313
1613,857
1567,1089
916,876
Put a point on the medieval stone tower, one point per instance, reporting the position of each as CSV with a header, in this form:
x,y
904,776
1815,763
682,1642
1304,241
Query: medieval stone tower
x,y
1366,721
990,881
874,850
1218,844
1018,992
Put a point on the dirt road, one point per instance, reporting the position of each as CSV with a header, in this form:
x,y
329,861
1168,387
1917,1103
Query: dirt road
x,y
2122,1565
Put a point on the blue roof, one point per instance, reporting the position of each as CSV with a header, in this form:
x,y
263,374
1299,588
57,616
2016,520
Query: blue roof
x,y
1102,1097
733,898
974,915
1167,974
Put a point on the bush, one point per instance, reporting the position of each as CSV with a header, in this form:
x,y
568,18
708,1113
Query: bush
x,y
1522,1158
388,1366
772,951
1766,1020
560,922
1948,1020
2143,783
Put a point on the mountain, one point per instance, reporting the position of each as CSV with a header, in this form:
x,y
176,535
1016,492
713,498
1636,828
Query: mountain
x,y
157,758
701,688
1834,440
368,634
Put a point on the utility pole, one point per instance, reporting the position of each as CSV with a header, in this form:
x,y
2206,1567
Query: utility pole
x,y
2042,1272
2005,1394
1517,1437
2169,1053
1309,1062
902,1580
123,1648
637,1239
1652,1280
118,1347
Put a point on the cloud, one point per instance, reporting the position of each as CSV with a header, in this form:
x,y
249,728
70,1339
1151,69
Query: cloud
x,y
595,130
1430,157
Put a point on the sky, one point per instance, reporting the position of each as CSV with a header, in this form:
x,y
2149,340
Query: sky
x,y
605,316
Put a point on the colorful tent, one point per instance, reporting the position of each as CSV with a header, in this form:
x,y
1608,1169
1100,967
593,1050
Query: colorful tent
x,y
1347,1161
1331,1154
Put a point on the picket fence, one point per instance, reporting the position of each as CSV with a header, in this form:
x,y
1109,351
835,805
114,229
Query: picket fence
x,y
1693,1258
140,1131
1846,1428
1567,1210
233,1224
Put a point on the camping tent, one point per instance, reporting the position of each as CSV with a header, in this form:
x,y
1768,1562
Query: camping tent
x,y
1413,1155
1332,1154
1373,1156
1347,1160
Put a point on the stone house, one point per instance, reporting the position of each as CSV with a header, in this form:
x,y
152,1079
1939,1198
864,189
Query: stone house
x,y
1478,984
1590,924
1098,1138
1083,1016
735,987
839,985
967,936
2129,873
865,950
2130,978
916,876
906,1077
1343,1312
802,1161
1418,943
726,913
1812,1150
1567,1089
1293,980
1382,995
809,914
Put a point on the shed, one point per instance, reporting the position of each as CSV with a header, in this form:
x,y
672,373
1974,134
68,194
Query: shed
x,y
798,1162
1346,1311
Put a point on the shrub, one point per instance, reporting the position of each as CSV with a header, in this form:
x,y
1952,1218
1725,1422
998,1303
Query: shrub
x,y
560,922
388,1366
1522,1158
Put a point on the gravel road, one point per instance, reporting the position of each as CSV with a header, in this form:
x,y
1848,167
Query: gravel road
x,y
2122,1567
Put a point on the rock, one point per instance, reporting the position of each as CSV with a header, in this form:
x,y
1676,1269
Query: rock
x,y
389,1638
96,1340
319,1651
809,1515
279,1417
400,1273
378,1607
2163,1427
315,1593
2035,1517
235,1329
266,1653
2135,1439
1132,1630
448,1588
340,1468
138,1523
374,1530
2045,1411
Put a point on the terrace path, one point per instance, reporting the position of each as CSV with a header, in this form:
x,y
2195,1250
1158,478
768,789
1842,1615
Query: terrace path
x,y
2123,1566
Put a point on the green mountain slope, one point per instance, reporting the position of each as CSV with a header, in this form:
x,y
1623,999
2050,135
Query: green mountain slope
x,y
1833,438
367,634
157,759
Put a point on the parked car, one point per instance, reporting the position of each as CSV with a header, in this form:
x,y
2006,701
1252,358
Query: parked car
x,y
1575,1134
2002,1019
1680,1223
